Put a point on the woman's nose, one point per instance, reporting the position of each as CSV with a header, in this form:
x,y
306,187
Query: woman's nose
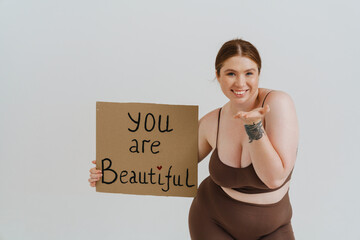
x,y
240,81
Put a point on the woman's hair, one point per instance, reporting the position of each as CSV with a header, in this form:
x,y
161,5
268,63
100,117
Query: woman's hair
x,y
236,47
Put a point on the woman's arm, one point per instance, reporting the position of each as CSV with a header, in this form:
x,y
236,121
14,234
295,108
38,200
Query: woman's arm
x,y
274,154
204,148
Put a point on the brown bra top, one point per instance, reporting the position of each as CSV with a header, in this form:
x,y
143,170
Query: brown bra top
x,y
240,179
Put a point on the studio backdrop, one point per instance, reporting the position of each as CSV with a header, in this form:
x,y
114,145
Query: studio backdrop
x,y
58,58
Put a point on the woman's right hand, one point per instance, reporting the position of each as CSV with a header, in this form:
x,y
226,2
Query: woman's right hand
x,y
95,175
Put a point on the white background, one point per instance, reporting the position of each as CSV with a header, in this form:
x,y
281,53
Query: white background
x,y
57,58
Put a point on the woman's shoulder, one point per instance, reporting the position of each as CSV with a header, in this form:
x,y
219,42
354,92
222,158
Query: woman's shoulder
x,y
264,91
208,126
281,104
273,96
210,118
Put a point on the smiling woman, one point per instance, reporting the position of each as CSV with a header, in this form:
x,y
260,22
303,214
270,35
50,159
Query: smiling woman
x,y
238,79
246,195
254,148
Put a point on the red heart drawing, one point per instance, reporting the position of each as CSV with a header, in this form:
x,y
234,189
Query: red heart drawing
x,y
159,167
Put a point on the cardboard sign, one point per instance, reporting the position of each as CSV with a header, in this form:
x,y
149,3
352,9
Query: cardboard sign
x,y
147,149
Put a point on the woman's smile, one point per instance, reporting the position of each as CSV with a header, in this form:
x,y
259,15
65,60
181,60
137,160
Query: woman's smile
x,y
239,93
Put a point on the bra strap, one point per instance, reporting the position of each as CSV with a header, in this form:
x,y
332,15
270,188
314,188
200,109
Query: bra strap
x,y
217,134
265,98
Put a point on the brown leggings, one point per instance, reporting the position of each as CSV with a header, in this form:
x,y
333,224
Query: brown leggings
x,y
215,215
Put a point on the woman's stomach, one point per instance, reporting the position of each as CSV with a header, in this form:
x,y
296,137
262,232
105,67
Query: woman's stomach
x,y
258,198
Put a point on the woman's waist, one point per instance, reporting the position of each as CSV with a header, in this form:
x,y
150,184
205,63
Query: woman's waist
x,y
259,198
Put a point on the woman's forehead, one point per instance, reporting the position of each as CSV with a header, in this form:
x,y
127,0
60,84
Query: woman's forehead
x,y
239,63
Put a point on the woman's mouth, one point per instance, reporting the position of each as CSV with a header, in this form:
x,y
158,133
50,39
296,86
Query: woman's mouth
x,y
239,93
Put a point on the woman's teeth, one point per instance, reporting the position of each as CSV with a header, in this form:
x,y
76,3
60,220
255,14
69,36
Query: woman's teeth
x,y
239,92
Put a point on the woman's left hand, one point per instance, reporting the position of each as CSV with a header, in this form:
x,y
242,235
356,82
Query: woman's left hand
x,y
254,116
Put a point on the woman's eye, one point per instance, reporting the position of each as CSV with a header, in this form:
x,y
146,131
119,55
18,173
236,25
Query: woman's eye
x,y
249,73
230,74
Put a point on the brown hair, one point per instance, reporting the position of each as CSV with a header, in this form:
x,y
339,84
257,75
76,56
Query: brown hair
x,y
236,47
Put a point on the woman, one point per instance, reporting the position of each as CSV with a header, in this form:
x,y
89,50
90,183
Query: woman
x,y
255,138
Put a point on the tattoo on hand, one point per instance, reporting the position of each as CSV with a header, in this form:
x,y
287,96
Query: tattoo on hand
x,y
254,131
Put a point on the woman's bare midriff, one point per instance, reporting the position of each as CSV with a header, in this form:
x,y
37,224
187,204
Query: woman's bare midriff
x,y
258,198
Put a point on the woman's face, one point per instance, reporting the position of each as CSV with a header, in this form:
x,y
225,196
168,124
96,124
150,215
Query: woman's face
x,y
239,79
